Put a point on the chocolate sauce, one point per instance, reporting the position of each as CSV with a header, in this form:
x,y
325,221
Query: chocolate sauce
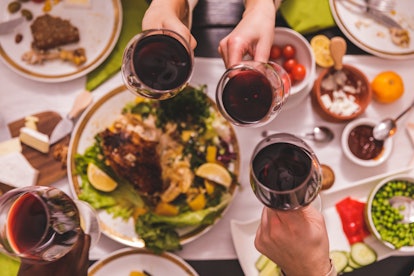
x,y
362,144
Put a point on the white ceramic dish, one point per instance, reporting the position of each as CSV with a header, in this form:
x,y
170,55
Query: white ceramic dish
x,y
99,27
402,177
388,144
243,232
371,36
96,118
304,55
124,261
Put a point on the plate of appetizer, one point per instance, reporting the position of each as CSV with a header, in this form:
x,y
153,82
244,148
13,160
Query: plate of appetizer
x,y
59,40
140,261
159,173
373,37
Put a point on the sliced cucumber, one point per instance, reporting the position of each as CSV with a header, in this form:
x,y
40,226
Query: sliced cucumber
x,y
353,264
339,260
362,254
271,269
261,262
348,269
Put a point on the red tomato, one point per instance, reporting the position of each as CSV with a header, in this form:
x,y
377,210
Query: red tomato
x,y
289,64
298,72
288,51
275,52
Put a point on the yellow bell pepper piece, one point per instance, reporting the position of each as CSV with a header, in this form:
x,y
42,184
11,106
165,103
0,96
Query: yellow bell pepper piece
x,y
166,209
198,202
211,154
210,186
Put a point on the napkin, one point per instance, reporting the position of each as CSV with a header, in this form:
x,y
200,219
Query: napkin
x,y
306,16
133,12
9,266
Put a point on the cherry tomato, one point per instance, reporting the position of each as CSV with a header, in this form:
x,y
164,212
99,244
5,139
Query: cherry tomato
x,y
289,64
275,52
298,72
288,51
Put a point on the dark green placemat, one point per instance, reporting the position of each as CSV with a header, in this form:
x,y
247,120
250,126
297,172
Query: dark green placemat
x,y
133,12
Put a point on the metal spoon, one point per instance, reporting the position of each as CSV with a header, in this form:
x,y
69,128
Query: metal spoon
x,y
387,127
320,134
405,205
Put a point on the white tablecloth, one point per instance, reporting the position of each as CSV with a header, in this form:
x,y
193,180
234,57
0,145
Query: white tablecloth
x,y
20,97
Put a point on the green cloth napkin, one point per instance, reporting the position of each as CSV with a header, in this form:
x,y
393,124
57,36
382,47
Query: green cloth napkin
x,y
306,16
8,266
133,12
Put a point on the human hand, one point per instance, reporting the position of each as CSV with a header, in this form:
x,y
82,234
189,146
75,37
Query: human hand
x,y
169,14
252,36
76,262
297,241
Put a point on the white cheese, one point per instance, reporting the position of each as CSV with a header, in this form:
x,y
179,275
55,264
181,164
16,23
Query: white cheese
x,y
16,171
34,139
31,122
9,146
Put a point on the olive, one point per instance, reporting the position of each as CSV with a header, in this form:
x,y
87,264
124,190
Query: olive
x,y
14,7
27,14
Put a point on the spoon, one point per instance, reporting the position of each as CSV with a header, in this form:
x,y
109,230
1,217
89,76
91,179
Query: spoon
x,y
320,134
387,127
405,205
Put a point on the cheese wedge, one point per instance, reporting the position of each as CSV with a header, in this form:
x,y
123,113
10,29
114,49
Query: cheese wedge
x,y
9,146
16,171
34,139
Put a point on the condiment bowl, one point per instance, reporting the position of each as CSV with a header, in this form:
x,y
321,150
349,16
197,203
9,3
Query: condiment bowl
x,y
304,55
343,102
350,144
383,218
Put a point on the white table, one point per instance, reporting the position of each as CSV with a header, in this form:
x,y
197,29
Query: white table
x,y
20,97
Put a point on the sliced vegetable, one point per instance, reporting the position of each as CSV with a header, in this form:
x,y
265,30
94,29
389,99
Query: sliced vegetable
x,y
261,262
339,260
362,254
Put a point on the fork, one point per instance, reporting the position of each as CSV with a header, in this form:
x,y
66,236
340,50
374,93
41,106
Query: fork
x,y
385,6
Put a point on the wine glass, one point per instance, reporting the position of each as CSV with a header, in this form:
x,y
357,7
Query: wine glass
x,y
252,93
157,64
41,224
285,173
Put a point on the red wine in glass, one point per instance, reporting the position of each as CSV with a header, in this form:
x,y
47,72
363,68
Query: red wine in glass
x,y
252,93
157,64
285,173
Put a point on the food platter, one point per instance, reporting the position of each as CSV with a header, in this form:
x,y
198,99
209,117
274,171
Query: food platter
x,y
243,232
97,118
99,15
124,261
370,36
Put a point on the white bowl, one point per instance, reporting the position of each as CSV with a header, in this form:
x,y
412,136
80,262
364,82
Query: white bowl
x,y
368,211
384,155
304,55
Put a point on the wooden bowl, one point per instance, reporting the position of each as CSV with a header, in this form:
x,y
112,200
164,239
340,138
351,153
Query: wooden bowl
x,y
345,110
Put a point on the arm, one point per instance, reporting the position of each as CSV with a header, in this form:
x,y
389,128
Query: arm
x,y
295,240
253,35
170,14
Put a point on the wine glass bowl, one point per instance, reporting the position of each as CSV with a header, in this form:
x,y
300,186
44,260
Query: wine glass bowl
x,y
40,224
285,173
252,93
157,64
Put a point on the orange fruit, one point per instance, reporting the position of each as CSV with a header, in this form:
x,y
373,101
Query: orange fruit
x,y
387,87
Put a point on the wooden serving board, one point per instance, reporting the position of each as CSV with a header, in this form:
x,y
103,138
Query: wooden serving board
x,y
50,169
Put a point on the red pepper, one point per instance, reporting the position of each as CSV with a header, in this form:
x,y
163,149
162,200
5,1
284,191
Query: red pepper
x,y
351,213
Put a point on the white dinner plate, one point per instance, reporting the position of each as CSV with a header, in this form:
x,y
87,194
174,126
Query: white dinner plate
x,y
124,261
100,115
244,232
99,28
370,36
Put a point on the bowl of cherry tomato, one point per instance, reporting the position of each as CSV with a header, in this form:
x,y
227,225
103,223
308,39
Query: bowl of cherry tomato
x,y
293,52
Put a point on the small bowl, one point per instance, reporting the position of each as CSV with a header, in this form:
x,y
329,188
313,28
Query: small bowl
x,y
355,79
372,227
304,55
383,155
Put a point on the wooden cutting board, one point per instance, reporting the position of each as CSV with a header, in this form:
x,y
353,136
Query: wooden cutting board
x,y
50,169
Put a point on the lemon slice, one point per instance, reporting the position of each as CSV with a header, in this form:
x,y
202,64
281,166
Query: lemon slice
x,y
320,47
216,173
99,179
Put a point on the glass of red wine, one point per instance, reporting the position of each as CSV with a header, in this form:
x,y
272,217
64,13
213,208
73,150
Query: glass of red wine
x,y
41,224
252,93
285,173
157,64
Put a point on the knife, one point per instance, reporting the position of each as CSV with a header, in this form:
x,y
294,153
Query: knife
x,y
8,26
65,126
383,19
